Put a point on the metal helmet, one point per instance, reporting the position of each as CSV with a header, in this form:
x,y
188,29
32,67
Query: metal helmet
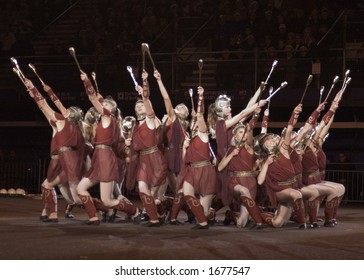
x,y
265,151
75,114
221,102
92,116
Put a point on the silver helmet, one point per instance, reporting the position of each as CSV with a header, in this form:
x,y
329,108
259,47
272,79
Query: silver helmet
x,y
221,102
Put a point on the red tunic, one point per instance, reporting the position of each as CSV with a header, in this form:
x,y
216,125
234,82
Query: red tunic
x,y
72,160
54,166
152,165
297,166
280,176
244,161
175,135
310,168
321,159
223,138
104,163
202,178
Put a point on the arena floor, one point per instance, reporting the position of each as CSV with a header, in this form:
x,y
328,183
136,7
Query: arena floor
x,y
24,237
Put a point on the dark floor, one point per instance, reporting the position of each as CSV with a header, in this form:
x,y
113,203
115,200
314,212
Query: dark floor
x,y
24,237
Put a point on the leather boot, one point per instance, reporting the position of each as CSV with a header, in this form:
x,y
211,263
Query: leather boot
x,y
252,208
299,209
330,212
312,211
149,205
196,208
89,205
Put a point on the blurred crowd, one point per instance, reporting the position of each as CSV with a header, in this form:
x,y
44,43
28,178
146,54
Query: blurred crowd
x,y
278,28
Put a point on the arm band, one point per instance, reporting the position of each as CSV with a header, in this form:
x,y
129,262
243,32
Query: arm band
x,y
52,95
328,116
313,118
89,88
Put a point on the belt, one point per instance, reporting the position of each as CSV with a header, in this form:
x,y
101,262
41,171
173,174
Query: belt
x,y
149,150
243,174
54,156
200,163
287,182
314,174
103,146
65,149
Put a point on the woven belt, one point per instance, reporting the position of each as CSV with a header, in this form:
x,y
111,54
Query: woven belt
x,y
298,176
103,146
54,157
243,174
65,149
322,172
149,150
200,163
287,182
314,174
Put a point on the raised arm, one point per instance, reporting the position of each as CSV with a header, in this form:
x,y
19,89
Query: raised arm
x,y
256,95
202,127
167,101
54,98
284,148
244,114
150,118
41,102
93,96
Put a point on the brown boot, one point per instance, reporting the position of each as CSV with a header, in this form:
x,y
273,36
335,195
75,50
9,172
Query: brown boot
x,y
330,212
149,205
50,197
89,206
312,212
299,209
196,208
252,208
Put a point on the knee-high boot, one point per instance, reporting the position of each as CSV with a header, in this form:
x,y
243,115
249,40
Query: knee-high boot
x,y
88,205
299,209
252,208
312,210
50,198
149,205
329,211
126,206
196,208
337,204
177,205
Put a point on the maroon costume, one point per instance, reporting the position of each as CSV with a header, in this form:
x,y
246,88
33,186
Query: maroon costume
x,y
152,166
280,176
71,146
199,171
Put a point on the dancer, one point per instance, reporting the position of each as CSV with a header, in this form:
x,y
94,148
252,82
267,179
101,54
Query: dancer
x,y
198,177
278,175
241,163
55,173
104,167
151,171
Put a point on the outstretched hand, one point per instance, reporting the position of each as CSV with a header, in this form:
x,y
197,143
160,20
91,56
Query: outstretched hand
x,y
144,75
157,75
83,76
46,87
28,83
